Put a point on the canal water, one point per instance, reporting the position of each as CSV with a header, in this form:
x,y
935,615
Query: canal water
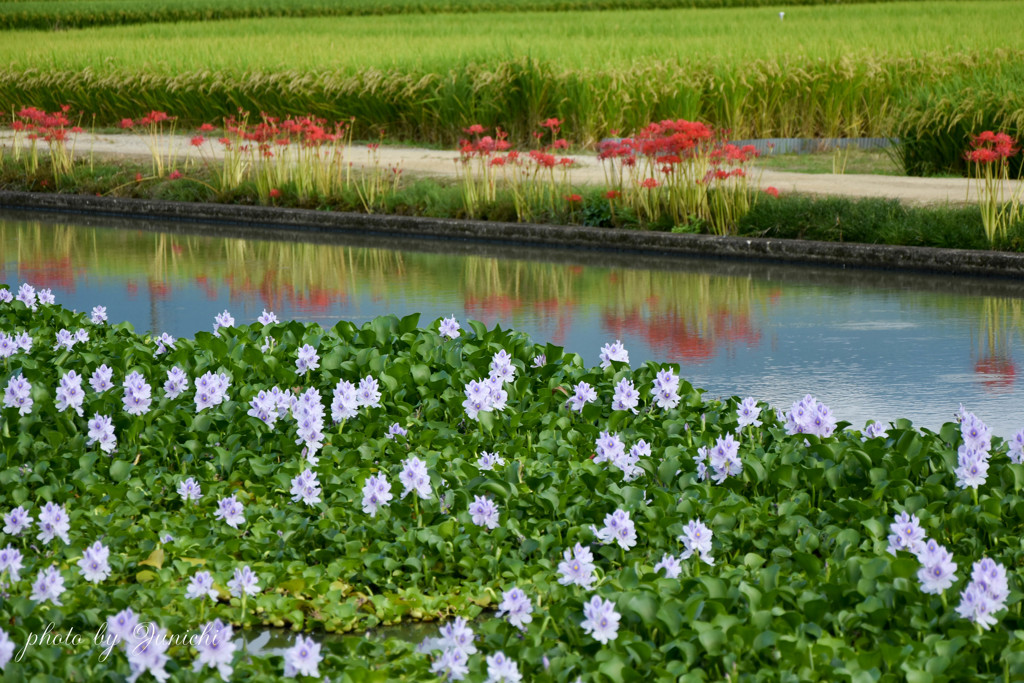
x,y
872,345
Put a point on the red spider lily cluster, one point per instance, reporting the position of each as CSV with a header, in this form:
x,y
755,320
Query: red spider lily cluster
x,y
682,170
537,178
53,128
990,147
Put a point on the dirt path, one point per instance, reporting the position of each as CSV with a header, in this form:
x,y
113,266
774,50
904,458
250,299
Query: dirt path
x,y
441,163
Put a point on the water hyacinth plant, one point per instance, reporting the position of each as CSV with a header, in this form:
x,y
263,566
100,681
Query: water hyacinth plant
x,y
804,549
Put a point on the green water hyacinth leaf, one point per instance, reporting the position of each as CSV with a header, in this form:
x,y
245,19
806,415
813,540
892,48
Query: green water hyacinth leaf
x,y
802,586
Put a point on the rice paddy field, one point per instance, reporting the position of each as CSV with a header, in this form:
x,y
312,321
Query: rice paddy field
x,y
822,70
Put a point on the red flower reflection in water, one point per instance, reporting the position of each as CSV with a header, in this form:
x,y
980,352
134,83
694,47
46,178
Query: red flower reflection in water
x,y
997,373
678,338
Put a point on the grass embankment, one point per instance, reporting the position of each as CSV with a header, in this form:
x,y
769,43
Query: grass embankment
x,y
869,221
824,71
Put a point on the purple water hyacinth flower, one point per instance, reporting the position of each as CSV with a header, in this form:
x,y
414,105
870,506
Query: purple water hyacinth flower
x,y
5,296
665,390
626,396
211,390
670,565
972,467
49,585
244,581
618,528
189,490
46,297
201,586
396,430
303,658
906,534
27,295
449,327
346,403
725,459
601,620
986,594
17,521
747,413
608,447
938,570
147,652
11,562
308,412
376,494
223,319
94,563
306,487
215,649
875,430
69,393
24,341
267,318
138,395
484,512
6,644
231,511
487,461
121,626
101,431
100,380
7,345
516,608
307,360
164,342
18,394
65,340
577,567
540,360
414,477
976,434
176,384
614,352
583,394
807,416
1016,452
82,335
501,669
457,635
696,539
368,393
452,665
53,523
480,398
99,315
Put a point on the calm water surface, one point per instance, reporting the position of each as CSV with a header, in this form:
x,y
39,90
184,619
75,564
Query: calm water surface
x,y
871,345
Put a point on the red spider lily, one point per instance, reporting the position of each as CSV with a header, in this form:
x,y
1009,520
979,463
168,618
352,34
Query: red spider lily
x,y
773,191
138,177
553,124
275,193
175,174
475,129
612,194
573,198
497,161
127,123
543,159
207,128
649,183
990,146
77,129
198,140
561,143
